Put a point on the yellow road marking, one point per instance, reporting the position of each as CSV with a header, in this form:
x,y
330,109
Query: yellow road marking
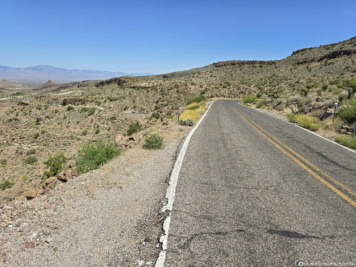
x,y
298,162
302,158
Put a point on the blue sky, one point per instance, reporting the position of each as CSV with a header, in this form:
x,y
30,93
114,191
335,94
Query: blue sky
x,y
164,36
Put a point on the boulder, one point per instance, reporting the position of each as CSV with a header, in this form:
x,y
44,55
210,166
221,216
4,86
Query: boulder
x,y
51,180
65,176
31,194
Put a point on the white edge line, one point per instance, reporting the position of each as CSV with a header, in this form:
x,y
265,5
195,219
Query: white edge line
x,y
331,141
171,192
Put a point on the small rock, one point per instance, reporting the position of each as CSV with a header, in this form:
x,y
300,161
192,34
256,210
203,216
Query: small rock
x,y
31,194
48,240
69,174
52,185
47,206
30,244
51,180
65,176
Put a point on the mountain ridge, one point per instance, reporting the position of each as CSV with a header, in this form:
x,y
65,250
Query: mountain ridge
x,y
43,73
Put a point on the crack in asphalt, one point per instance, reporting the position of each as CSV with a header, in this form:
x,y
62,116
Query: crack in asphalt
x,y
269,188
188,242
291,234
327,158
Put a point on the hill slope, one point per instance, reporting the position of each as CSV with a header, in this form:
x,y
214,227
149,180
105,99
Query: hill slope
x,y
64,117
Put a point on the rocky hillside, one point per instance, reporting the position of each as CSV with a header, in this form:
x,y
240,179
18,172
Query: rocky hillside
x,y
61,118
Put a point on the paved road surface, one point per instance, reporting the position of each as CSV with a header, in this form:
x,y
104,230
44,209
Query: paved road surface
x,y
257,191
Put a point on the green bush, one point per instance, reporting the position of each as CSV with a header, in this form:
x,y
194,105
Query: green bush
x,y
90,111
261,103
292,118
6,184
134,127
156,115
197,99
31,160
348,111
346,141
249,99
153,141
18,93
69,108
305,121
93,155
55,165
31,152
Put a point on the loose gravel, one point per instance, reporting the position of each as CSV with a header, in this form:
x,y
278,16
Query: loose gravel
x,y
108,217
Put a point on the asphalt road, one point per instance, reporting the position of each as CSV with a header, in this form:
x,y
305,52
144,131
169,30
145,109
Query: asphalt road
x,y
257,191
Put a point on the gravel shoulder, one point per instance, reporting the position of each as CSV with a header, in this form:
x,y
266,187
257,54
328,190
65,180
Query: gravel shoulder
x,y
108,217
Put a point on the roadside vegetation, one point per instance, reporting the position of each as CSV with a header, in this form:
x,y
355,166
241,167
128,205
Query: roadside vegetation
x,y
250,99
93,155
192,113
305,121
134,127
346,141
153,141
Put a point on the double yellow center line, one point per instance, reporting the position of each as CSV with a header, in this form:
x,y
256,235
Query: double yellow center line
x,y
304,163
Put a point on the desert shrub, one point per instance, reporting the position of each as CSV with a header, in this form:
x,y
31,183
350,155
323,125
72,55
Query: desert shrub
x,y
292,117
18,93
85,132
249,99
31,160
348,111
3,162
55,164
36,135
350,83
197,99
305,91
69,108
90,111
153,141
134,127
188,114
6,184
305,121
31,152
203,92
186,122
156,115
113,118
193,106
93,155
346,141
335,125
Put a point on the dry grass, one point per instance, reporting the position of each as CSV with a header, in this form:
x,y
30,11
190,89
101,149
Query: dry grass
x,y
305,121
347,141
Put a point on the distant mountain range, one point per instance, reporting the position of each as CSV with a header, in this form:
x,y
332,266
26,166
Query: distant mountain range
x,y
43,73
